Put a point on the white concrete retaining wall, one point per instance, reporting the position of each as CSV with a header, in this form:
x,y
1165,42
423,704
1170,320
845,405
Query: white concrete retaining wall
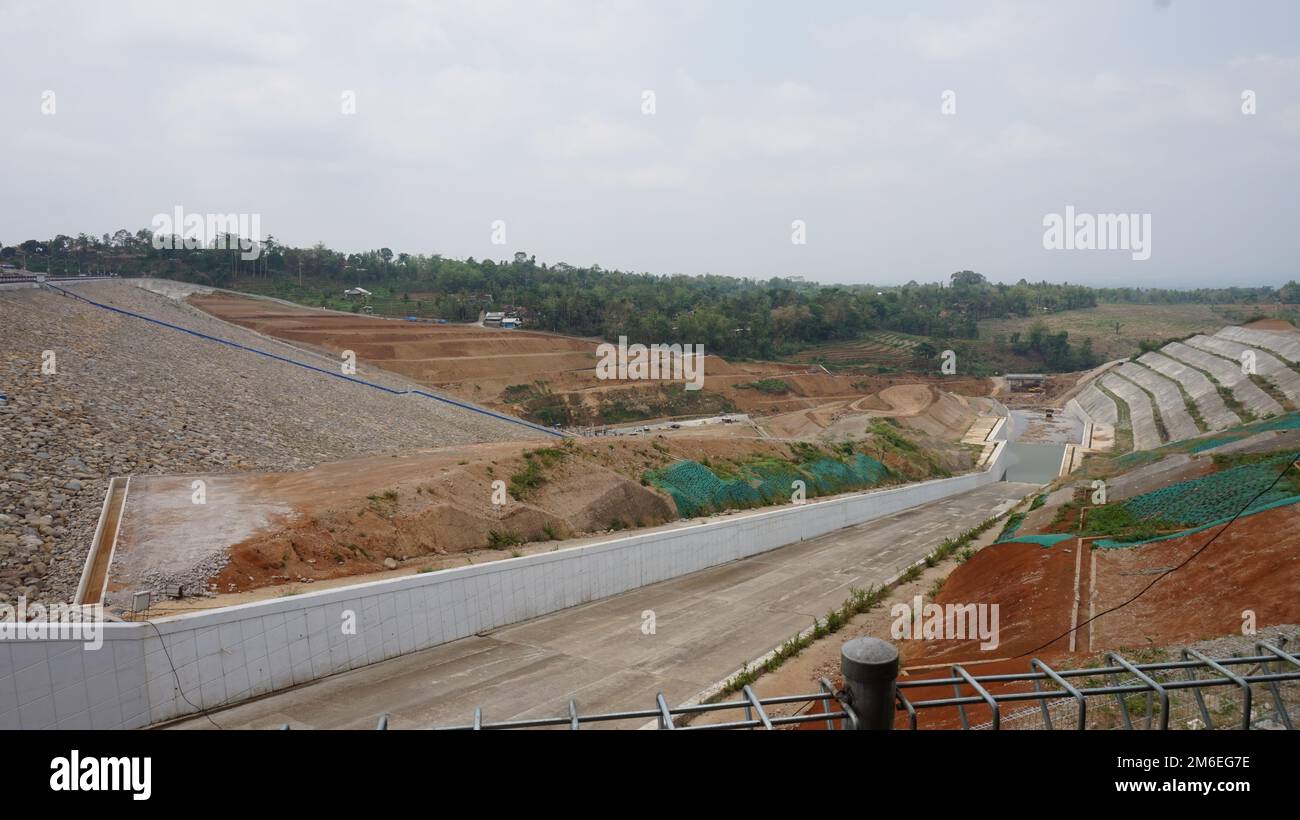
x,y
229,655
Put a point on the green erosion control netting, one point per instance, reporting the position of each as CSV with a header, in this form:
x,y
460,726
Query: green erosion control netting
x,y
1049,540
1258,507
1215,441
1199,500
1012,527
1201,503
698,490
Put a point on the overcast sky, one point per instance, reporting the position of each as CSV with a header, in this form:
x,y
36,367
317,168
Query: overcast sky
x,y
531,112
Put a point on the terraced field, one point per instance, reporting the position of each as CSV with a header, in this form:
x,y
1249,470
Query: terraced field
x,y
878,347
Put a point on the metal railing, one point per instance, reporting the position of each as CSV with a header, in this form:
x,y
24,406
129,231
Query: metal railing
x,y
754,708
1267,668
874,698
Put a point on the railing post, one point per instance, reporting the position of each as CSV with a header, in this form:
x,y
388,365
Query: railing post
x,y
870,668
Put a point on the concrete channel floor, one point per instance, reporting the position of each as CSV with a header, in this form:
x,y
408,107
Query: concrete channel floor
x,y
706,625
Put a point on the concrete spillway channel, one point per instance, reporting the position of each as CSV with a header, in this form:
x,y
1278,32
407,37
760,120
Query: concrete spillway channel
x,y
1227,374
1266,365
1145,434
1169,400
1201,390
94,576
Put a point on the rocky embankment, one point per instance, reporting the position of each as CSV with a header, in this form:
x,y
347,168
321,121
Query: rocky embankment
x,y
128,397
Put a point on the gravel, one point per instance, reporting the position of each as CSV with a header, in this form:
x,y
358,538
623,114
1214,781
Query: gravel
x,y
130,397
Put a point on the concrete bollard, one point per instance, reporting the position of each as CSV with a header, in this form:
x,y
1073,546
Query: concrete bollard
x,y
870,668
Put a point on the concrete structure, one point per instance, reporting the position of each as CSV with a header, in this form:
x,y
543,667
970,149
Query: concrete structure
x,y
1227,374
706,626
146,673
1201,390
1169,400
1282,343
1097,406
1024,381
1032,463
1146,436
1266,365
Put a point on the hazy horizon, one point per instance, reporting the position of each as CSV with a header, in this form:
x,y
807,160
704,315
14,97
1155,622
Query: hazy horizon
x,y
535,114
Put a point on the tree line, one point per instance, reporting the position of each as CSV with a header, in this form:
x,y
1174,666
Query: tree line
x,y
739,317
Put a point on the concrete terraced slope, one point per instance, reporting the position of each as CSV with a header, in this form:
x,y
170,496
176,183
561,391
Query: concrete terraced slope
x,y
1201,390
1099,407
131,397
1268,366
1169,399
1283,343
1146,436
1229,374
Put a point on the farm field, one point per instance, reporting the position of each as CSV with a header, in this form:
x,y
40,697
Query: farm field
x,y
883,347
1137,323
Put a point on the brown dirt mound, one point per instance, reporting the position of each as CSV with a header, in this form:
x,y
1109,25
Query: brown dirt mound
x,y
480,364
346,518
947,416
1254,565
907,399
1271,324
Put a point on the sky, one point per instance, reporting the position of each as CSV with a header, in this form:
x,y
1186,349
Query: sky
x,y
899,141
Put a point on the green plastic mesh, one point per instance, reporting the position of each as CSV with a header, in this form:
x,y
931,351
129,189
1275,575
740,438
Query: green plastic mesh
x,y
1211,443
1202,503
697,490
1109,543
1012,527
1198,500
1049,540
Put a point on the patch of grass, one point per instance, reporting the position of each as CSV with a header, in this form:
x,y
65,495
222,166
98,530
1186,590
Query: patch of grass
x,y
531,476
936,587
503,539
769,386
1273,390
1116,521
805,451
385,503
